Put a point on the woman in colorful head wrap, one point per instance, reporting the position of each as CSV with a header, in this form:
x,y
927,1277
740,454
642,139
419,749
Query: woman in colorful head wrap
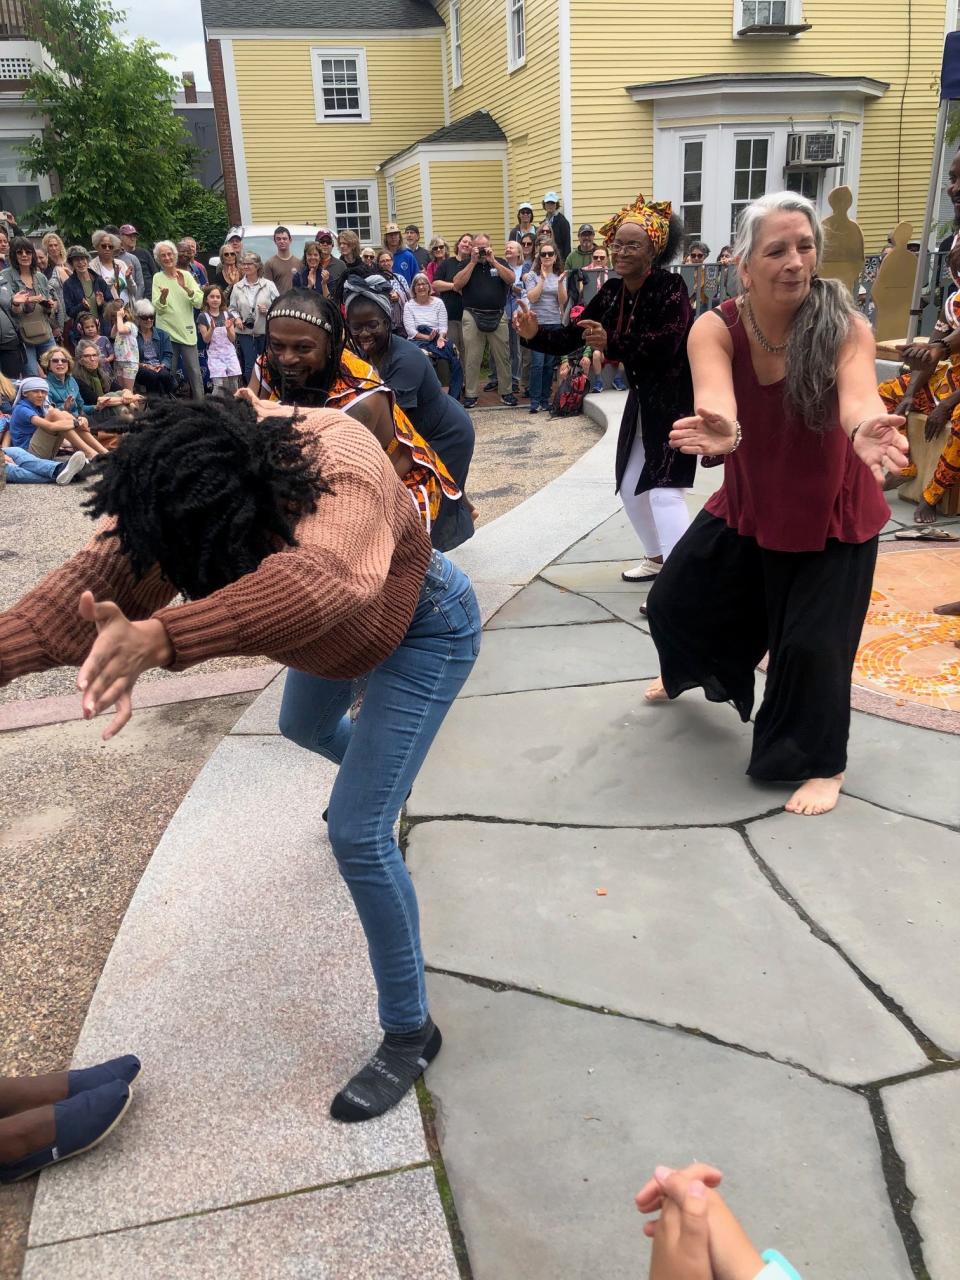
x,y
641,319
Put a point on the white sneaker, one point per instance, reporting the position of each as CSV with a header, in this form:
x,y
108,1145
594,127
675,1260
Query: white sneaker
x,y
72,467
642,572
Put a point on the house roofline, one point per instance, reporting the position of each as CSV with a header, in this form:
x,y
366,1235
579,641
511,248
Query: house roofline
x,y
763,82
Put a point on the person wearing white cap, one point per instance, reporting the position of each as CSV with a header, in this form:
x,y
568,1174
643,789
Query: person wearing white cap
x,y
558,223
525,223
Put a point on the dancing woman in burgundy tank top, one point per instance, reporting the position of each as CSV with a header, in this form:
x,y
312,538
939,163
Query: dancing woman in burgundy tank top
x,y
781,559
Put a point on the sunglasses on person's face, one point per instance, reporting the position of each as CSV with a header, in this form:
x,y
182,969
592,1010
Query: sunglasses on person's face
x,y
599,257
547,253
229,255
58,360
696,257
324,240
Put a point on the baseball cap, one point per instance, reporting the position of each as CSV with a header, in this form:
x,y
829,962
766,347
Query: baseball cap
x,y
234,234
585,229
128,229
526,205
391,227
325,232
551,197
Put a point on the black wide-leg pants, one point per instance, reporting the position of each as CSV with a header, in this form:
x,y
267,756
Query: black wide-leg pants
x,y
721,602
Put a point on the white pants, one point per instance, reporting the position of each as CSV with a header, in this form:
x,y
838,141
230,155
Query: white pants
x,y
659,516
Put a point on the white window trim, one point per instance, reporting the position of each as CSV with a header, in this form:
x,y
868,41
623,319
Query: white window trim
x,y
456,45
719,141
682,139
319,52
391,200
373,189
794,17
514,63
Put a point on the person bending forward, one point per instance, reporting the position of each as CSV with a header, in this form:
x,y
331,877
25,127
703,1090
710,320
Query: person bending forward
x,y
299,543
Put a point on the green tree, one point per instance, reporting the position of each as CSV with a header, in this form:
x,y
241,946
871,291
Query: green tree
x,y
201,213
109,129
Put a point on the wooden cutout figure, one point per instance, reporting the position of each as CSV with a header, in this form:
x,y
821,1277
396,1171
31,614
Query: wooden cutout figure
x,y
842,241
893,288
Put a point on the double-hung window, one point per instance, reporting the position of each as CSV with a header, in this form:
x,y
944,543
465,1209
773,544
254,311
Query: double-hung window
x,y
340,85
516,34
691,207
353,206
749,175
456,52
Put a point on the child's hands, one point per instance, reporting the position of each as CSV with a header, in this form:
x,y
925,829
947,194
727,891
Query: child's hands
x,y
681,1246
732,1254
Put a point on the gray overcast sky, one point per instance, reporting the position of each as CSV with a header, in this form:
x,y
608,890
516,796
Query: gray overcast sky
x,y
176,26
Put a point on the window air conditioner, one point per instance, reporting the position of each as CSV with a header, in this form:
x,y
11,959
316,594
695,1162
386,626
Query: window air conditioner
x,y
811,148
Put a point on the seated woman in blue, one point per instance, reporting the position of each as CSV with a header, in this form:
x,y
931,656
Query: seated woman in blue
x,y
41,429
64,392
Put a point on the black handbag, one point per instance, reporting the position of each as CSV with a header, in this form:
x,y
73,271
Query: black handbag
x,y
486,321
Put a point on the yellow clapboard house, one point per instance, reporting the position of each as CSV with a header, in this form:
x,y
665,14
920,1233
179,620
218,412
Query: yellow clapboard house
x,y
449,114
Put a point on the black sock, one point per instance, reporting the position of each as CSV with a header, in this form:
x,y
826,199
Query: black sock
x,y
393,1069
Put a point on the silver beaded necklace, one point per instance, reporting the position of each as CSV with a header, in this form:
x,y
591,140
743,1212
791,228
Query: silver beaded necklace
x,y
757,333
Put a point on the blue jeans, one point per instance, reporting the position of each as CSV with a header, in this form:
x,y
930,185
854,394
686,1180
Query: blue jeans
x,y
448,353
27,469
380,754
542,368
31,358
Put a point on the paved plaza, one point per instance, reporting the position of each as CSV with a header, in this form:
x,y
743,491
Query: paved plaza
x,y
635,958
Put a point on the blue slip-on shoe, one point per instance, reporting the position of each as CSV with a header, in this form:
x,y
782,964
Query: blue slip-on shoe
x,y
597,386
126,1069
619,384
81,1123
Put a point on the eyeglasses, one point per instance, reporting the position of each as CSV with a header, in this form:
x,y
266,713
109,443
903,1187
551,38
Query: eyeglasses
x,y
229,255
599,257
438,246
325,240
547,253
631,246
696,257
56,360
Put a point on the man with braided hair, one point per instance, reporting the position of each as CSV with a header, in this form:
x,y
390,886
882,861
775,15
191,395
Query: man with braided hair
x,y
294,539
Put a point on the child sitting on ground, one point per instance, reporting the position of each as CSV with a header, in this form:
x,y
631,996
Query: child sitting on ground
x,y
40,429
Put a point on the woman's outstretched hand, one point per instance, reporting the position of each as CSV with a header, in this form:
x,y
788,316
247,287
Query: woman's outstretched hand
x,y
706,433
122,651
878,440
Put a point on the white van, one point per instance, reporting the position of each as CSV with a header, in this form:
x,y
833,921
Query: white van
x,y
258,238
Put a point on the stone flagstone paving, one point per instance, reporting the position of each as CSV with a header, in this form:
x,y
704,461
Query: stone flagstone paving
x,y
636,957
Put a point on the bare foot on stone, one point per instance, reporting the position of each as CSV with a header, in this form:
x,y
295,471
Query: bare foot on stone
x,y
924,513
655,692
816,796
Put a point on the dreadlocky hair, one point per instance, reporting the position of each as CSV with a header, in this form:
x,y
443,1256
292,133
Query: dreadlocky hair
x,y
205,490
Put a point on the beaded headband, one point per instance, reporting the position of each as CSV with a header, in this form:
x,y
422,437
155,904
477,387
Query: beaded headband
x,y
290,313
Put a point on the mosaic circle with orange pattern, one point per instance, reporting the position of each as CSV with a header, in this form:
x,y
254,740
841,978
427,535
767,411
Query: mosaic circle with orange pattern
x,y
908,665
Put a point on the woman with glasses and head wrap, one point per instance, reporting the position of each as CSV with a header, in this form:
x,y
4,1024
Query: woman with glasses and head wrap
x,y
306,364
407,370
641,319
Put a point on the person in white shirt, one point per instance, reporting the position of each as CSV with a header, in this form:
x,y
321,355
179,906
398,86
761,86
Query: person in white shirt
x,y
425,323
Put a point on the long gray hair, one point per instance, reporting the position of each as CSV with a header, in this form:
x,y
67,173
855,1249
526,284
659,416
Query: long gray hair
x,y
822,324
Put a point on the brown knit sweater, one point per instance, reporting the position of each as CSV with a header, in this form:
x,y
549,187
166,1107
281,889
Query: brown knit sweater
x,y
335,605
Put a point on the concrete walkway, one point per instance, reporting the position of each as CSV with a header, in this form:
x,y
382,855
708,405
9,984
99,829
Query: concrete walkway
x,y
635,957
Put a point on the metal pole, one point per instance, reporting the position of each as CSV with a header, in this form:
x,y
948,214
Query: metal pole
x,y
923,258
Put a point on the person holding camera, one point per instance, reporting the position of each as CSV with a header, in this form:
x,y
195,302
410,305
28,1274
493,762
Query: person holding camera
x,y
250,300
485,281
